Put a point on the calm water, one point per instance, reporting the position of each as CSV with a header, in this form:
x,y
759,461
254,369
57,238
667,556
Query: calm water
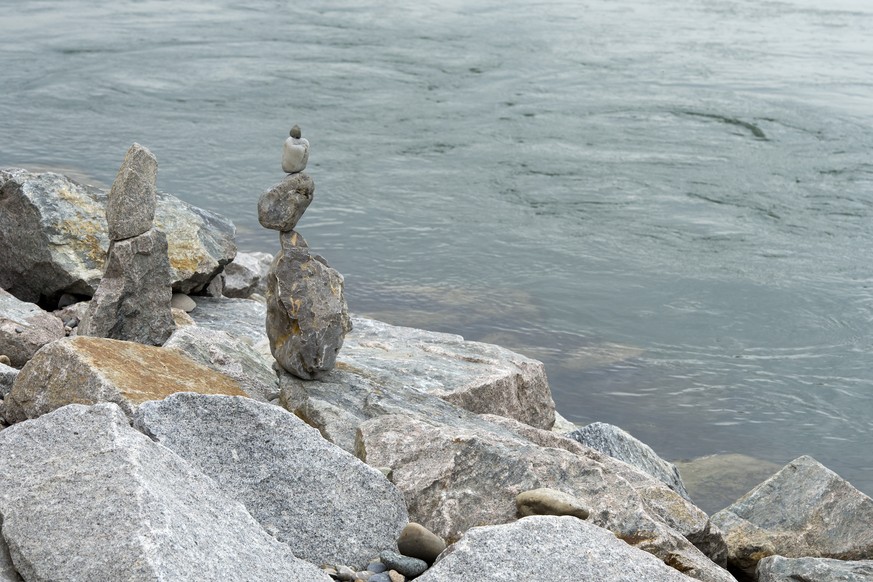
x,y
668,202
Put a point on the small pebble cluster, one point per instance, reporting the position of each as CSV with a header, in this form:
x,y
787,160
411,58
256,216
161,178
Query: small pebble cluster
x,y
420,549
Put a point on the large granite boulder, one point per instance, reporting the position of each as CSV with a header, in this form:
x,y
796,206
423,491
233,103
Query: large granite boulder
x,y
615,442
88,370
558,549
24,328
83,496
328,506
282,206
244,318
804,510
7,569
779,569
132,301
55,237
456,478
229,355
130,209
247,274
307,315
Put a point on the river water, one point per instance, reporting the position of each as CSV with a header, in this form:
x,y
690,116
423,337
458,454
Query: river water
x,y
667,202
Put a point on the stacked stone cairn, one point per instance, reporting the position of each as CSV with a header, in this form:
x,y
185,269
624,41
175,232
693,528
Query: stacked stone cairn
x,y
307,315
132,301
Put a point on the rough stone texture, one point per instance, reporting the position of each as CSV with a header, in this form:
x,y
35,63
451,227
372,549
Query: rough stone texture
x,y
24,328
419,542
804,510
307,315
295,154
72,314
231,356
87,370
130,209
243,318
327,505
779,569
247,274
558,549
615,442
406,565
132,302
84,496
545,501
54,235
7,377
455,478
7,569
280,207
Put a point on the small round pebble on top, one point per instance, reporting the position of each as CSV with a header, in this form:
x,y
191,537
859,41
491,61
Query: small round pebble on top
x,y
295,132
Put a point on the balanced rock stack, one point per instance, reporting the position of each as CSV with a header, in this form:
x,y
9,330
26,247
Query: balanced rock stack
x,y
307,316
132,301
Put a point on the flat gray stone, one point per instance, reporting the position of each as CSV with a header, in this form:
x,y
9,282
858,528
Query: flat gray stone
x,y
247,274
615,442
7,377
804,510
281,207
558,549
24,328
419,542
130,209
406,565
779,569
87,497
328,506
458,478
307,315
229,355
55,237
132,302
243,318
546,501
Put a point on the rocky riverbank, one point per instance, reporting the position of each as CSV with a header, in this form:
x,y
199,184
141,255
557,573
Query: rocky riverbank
x,y
198,460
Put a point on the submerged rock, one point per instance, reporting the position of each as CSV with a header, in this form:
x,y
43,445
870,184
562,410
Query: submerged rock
x,y
558,549
615,442
328,506
307,315
132,301
24,328
804,510
87,497
89,370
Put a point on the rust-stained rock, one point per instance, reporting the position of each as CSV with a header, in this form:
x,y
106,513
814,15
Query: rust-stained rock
x,y
88,370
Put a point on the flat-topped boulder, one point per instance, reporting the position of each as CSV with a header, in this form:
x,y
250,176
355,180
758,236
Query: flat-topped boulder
x,y
87,497
24,328
55,237
780,569
88,370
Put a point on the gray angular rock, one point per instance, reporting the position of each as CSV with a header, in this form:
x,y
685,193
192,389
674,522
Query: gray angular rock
x,y
281,207
132,302
546,501
455,478
7,569
804,510
243,318
7,377
228,355
779,569
87,497
558,549
307,315
55,237
615,442
247,274
419,542
130,208
24,328
324,503
88,370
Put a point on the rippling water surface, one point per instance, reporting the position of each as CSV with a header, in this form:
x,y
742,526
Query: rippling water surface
x,y
668,202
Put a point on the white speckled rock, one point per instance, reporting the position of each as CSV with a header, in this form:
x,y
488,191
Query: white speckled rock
x,y
87,497
24,328
295,154
557,549
779,569
7,569
328,506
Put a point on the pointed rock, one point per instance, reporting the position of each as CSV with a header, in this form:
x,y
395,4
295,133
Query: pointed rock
x,y
132,302
87,497
130,208
89,370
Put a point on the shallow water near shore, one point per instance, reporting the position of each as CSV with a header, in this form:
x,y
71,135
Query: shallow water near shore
x,y
668,203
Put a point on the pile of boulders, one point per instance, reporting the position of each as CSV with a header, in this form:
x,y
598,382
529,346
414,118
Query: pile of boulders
x,y
407,455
